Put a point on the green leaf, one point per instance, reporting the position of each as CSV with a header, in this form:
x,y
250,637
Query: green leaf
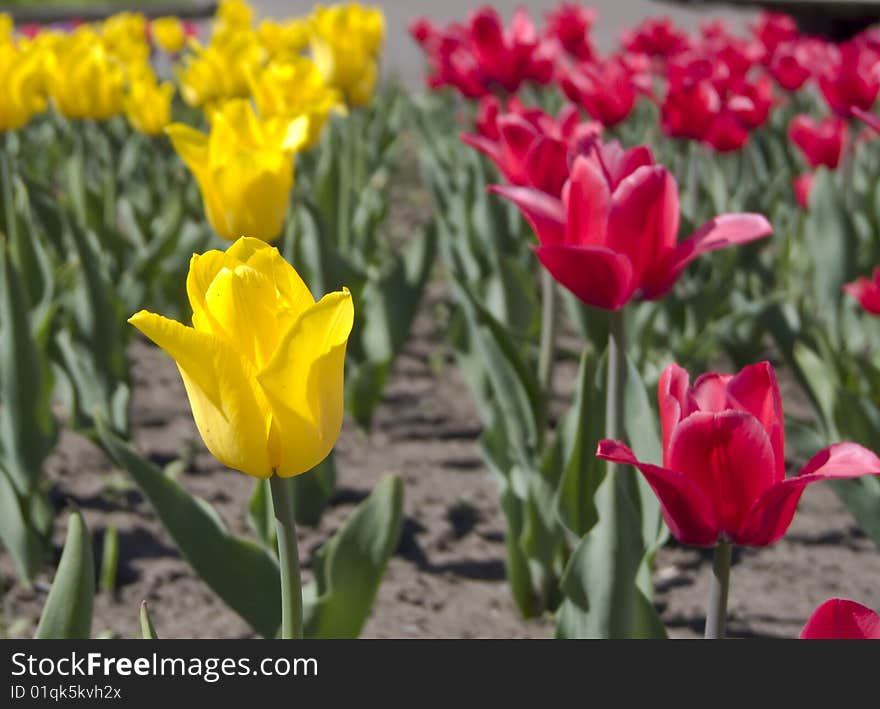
x,y
820,385
862,498
349,567
313,491
148,632
67,613
24,543
109,560
241,572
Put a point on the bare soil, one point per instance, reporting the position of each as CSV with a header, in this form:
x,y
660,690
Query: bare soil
x,y
446,579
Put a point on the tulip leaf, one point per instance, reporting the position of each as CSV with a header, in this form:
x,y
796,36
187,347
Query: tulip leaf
x,y
238,570
17,531
862,498
148,632
602,598
67,613
349,567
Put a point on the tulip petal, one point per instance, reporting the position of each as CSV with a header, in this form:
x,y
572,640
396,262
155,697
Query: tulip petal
x,y
755,390
842,619
588,202
490,148
304,384
598,276
709,393
866,291
544,212
672,397
729,456
872,120
546,165
228,409
718,233
689,514
771,513
190,144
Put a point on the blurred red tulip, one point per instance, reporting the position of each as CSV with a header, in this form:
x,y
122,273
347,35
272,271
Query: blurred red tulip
x,y
774,28
689,109
803,185
605,89
842,619
613,235
657,37
866,291
821,143
723,473
570,25
851,78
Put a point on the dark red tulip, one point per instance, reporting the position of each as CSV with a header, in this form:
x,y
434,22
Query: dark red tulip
x,y
842,619
823,142
803,185
614,234
866,291
851,79
605,89
723,472
570,25
530,147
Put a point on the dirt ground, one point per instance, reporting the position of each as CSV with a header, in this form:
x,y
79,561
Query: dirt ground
x,y
446,579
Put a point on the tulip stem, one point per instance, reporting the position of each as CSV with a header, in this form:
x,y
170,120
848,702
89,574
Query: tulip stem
x,y
614,396
716,613
288,558
547,352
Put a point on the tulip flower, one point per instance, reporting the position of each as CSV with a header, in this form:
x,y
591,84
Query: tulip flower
x,y
821,143
294,88
284,39
613,235
220,71
792,63
690,109
530,147
723,472
262,363
866,291
168,33
656,37
24,97
244,168
802,186
345,43
570,25
842,619
851,79
774,28
148,103
606,90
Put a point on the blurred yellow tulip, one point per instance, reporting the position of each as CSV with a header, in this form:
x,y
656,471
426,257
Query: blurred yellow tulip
x,y
232,16
263,363
244,168
168,33
220,70
125,35
148,103
23,93
295,88
345,43
284,39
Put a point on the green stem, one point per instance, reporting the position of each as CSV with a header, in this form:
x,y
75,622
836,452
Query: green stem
x,y
547,351
614,396
288,558
716,613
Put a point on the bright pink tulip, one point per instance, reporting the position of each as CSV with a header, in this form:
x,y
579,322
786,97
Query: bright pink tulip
x,y
803,185
613,235
605,89
530,147
821,143
842,619
723,473
866,291
570,25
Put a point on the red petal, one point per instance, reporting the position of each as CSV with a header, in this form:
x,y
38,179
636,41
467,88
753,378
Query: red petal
x,y
688,513
872,120
866,292
756,391
710,392
643,221
543,212
842,619
546,165
598,276
588,202
729,457
672,395
718,233
771,513
489,148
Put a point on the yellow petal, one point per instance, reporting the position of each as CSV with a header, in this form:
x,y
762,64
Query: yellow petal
x,y
229,410
190,144
304,384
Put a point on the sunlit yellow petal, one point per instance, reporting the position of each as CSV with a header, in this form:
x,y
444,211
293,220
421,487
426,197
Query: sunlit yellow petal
x,y
190,144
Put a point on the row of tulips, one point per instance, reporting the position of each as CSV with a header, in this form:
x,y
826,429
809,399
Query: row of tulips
x,y
102,210
593,150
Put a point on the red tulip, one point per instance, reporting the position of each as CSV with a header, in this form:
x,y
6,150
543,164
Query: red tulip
x,y
803,185
726,133
530,147
821,143
852,78
866,291
689,109
570,25
842,619
793,63
774,28
656,37
723,473
613,235
605,89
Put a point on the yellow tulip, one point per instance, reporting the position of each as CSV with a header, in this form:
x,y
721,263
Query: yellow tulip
x,y
345,44
295,88
148,103
244,168
220,71
232,16
6,27
284,39
263,363
168,33
21,77
125,35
